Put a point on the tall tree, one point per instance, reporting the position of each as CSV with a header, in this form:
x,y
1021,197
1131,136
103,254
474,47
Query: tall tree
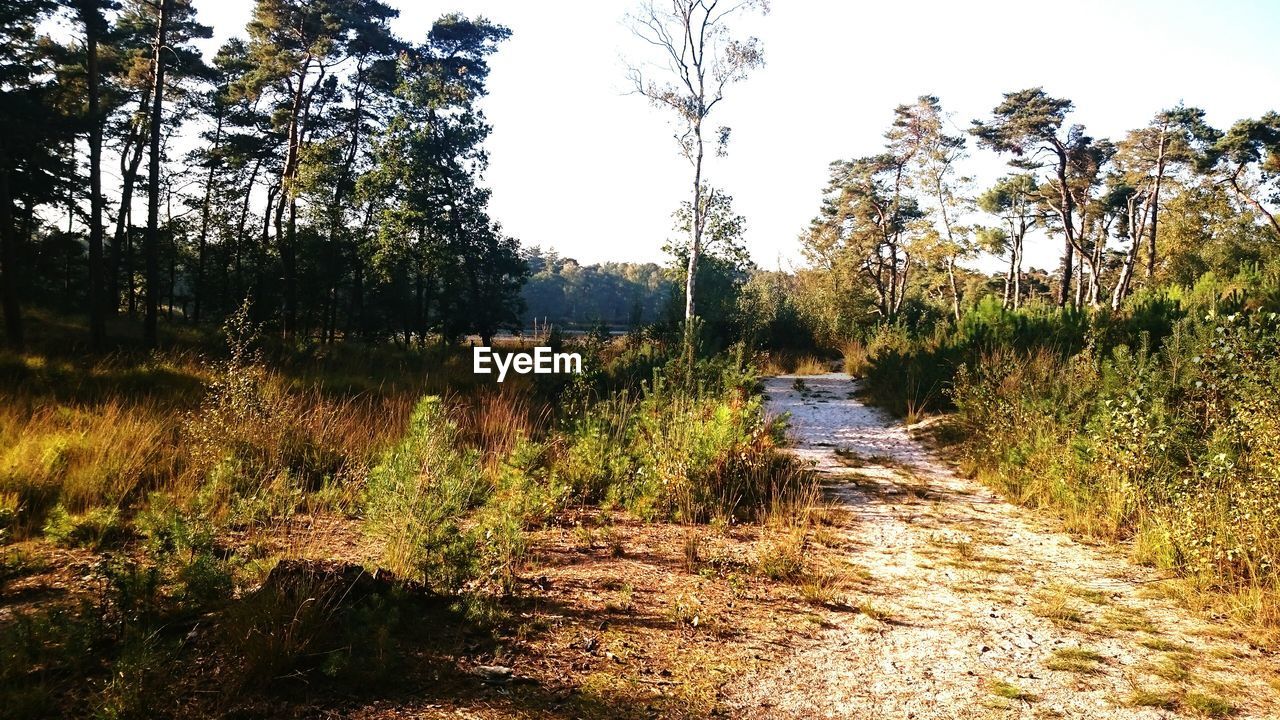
x,y
1088,160
918,133
1247,158
151,248
95,29
1174,138
449,266
866,221
1026,124
700,58
295,45
31,131
1013,200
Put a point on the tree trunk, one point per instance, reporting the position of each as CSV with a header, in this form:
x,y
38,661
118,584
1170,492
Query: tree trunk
x,y
1137,230
1155,211
198,286
1126,274
1017,270
1066,210
955,290
131,291
97,300
1005,296
130,161
695,240
286,236
9,260
237,275
152,250
1078,299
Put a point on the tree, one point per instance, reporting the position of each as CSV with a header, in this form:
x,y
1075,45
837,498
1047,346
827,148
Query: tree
x,y
865,223
1088,159
725,266
1026,124
132,85
1247,159
918,134
1013,200
246,153
151,250
95,28
294,46
169,14
31,129
701,59
449,268
1145,157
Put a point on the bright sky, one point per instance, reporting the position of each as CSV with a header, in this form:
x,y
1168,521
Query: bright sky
x,y
580,165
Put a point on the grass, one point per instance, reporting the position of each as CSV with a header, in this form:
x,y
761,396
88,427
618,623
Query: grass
x,y
1077,660
1152,698
1126,619
1172,667
790,363
823,588
1058,607
1208,705
1009,691
1163,645
202,485
873,611
780,554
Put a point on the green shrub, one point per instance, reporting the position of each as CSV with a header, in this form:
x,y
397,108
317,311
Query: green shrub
x,y
1178,446
695,445
416,496
93,529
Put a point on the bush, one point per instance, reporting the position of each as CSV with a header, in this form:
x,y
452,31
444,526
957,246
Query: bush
x,y
92,529
416,495
1177,446
696,445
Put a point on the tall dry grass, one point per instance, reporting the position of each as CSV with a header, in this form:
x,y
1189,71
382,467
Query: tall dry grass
x,y
104,433
789,363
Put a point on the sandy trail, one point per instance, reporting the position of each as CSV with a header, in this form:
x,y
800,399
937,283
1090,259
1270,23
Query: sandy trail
x,y
984,609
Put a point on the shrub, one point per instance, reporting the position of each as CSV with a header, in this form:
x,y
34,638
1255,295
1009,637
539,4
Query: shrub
x,y
1177,446
416,495
93,529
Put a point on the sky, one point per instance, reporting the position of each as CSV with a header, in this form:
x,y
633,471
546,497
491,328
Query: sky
x,y
579,164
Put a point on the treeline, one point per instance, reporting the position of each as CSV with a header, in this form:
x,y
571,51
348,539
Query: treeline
x,y
319,165
562,293
1168,202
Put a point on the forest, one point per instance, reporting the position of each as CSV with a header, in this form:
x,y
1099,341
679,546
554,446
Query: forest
x,y
246,469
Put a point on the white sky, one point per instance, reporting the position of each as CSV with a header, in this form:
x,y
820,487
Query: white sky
x,y
579,165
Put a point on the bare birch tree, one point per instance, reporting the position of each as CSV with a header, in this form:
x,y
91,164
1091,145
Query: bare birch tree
x,y
697,58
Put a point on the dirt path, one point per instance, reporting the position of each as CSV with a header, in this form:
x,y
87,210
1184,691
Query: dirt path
x,y
964,606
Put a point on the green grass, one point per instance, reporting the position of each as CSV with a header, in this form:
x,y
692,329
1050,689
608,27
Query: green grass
x,y
1076,660
1208,705
1152,698
1010,691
